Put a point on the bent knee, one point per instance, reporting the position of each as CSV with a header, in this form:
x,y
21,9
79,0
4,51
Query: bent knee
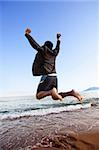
x,y
38,97
54,98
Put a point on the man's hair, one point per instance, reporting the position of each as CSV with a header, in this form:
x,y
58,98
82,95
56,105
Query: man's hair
x,y
49,44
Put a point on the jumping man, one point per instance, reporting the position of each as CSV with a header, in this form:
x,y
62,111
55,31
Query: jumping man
x,y
44,66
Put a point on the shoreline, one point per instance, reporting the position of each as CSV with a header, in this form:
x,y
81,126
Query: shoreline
x,y
77,130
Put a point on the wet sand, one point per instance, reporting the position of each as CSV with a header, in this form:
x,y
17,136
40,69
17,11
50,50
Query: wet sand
x,y
77,130
72,141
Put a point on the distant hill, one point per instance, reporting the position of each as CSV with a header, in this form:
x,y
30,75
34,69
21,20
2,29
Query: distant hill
x,y
92,88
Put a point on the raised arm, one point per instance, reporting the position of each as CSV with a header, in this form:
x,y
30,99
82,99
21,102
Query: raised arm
x,y
32,42
57,48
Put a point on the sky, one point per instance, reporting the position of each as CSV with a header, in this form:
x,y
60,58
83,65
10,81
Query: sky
x,y
78,61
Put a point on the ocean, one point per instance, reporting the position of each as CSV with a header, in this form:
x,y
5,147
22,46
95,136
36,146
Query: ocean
x,y
24,106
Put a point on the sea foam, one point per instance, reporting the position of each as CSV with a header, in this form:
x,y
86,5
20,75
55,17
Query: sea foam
x,y
41,112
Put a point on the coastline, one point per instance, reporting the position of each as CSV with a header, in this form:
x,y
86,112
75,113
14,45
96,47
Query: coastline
x,y
75,130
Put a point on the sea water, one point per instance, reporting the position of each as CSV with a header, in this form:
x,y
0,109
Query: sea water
x,y
16,107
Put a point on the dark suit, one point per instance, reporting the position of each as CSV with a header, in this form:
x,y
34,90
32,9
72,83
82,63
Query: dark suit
x,y
44,62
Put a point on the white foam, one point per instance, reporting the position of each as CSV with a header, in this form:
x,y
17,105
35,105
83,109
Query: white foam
x,y
42,112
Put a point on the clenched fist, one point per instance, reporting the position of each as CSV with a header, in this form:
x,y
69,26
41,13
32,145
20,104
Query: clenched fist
x,y
28,31
58,35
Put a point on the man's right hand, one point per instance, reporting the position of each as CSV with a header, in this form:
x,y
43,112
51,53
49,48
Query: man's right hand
x,y
58,35
28,31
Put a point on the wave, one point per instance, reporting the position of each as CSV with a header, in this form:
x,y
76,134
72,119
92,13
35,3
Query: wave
x,y
43,111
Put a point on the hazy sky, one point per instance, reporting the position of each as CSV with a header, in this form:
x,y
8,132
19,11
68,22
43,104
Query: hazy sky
x,y
77,63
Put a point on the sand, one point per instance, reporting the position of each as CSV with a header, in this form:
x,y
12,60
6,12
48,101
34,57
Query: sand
x,y
78,130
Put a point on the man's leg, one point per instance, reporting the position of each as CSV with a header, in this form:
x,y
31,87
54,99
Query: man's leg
x,y
58,96
55,95
71,93
52,93
43,94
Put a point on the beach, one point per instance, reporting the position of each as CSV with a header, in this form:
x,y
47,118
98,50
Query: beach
x,y
72,130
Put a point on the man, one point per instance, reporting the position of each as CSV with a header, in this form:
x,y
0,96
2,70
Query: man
x,y
44,65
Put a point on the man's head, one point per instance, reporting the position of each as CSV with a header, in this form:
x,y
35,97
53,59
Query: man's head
x,y
49,44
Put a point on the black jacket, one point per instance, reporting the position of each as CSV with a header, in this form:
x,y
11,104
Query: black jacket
x,y
44,62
